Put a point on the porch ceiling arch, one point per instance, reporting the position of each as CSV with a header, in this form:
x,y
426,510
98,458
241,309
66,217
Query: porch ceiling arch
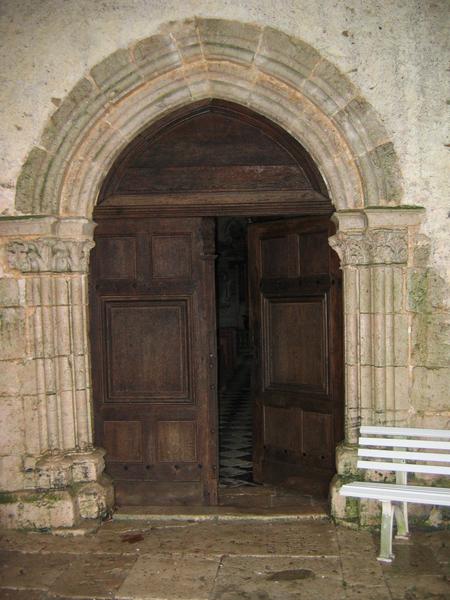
x,y
275,75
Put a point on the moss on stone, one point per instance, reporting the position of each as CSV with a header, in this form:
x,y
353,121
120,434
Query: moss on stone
x,y
352,508
74,488
350,476
43,498
7,498
418,290
423,522
427,290
399,207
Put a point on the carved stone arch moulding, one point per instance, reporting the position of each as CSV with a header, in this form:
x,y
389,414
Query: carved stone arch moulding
x,y
274,74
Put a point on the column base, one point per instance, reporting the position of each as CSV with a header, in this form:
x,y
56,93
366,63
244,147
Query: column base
x,y
53,509
352,512
61,491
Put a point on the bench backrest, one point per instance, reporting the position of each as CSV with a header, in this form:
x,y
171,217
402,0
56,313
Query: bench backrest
x,y
404,450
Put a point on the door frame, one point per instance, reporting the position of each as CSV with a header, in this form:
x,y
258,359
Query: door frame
x,y
217,211
302,203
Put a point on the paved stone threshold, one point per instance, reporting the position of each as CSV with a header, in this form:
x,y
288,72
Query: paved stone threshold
x,y
198,560
308,511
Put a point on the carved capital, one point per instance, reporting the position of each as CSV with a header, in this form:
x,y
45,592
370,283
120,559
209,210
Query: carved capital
x,y
49,255
352,249
373,246
388,246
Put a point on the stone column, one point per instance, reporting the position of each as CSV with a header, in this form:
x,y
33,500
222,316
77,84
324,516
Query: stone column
x,y
375,248
48,376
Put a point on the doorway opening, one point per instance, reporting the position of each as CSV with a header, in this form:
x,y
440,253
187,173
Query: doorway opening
x,y
276,327
216,322
235,354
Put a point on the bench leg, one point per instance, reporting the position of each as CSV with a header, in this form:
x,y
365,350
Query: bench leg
x,y
401,517
387,518
401,510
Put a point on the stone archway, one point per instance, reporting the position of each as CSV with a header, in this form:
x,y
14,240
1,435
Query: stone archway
x,y
276,75
281,78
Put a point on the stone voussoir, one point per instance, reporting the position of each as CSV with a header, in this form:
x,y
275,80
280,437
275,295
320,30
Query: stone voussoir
x,y
333,83
115,73
285,57
372,182
385,160
72,116
351,122
27,183
156,55
77,97
228,40
186,36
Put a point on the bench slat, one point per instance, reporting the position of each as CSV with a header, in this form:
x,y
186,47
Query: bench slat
x,y
404,443
398,454
400,493
405,431
403,467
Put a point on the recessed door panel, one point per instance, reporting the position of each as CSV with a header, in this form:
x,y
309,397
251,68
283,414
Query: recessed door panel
x,y
280,256
295,335
317,438
312,262
177,441
171,256
118,257
282,429
147,350
123,441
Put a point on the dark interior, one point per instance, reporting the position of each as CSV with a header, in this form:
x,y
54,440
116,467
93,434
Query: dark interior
x,y
235,353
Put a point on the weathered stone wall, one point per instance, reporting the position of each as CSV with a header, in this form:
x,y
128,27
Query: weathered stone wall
x,y
360,84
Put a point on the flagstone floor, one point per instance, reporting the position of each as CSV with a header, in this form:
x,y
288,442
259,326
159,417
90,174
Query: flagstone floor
x,y
193,560
235,430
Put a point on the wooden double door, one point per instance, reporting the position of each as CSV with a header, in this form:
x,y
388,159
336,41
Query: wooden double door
x,y
153,339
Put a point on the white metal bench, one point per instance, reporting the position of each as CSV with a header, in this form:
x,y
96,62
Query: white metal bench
x,y
402,450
